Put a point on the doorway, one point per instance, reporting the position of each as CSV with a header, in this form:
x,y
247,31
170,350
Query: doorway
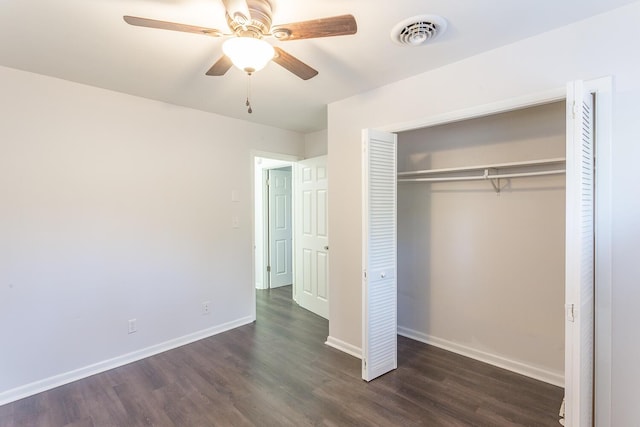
x,y
273,228
279,234
290,228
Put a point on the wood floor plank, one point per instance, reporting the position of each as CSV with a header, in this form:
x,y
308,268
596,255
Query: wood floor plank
x,y
81,423
279,372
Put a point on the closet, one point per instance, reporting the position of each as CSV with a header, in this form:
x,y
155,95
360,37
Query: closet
x,y
481,238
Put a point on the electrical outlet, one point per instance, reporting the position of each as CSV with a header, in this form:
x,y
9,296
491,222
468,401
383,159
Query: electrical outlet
x,y
132,326
206,307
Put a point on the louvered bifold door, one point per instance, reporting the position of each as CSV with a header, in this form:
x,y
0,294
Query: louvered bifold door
x,y
579,332
379,345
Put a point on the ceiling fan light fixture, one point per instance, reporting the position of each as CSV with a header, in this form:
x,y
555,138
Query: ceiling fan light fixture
x,y
249,54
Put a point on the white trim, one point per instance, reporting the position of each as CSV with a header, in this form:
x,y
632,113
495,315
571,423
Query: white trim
x,y
527,101
603,88
537,373
274,156
262,239
344,347
96,368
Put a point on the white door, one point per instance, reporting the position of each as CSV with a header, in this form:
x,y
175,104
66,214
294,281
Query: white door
x,y
579,329
312,244
280,266
379,257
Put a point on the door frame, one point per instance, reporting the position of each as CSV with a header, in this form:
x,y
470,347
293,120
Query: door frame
x,y
257,186
603,88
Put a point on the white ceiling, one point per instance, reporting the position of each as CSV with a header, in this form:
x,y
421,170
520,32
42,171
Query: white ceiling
x,y
87,41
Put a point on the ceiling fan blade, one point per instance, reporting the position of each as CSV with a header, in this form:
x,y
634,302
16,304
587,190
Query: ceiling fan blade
x,y
164,25
237,10
293,64
342,25
221,66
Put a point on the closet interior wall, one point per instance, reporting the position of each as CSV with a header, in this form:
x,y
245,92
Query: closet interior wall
x,y
481,273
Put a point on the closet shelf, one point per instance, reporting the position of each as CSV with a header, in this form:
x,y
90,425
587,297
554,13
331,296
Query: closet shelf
x,y
541,162
489,172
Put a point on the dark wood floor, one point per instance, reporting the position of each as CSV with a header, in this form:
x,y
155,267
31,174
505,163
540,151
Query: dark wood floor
x,y
279,372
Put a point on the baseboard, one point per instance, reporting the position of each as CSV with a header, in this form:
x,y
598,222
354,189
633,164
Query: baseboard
x,y
492,359
96,368
344,347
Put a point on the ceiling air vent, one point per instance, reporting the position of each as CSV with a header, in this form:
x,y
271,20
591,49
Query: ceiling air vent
x,y
418,30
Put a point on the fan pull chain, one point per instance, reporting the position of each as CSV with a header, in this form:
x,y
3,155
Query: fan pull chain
x,y
248,103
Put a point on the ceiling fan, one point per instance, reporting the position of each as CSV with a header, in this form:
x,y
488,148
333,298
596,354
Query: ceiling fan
x,y
250,22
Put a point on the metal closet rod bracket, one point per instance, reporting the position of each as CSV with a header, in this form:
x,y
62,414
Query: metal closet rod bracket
x,y
495,182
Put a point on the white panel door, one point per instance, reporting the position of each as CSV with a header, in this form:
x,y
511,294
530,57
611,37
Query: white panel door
x,y
579,330
280,228
312,240
379,258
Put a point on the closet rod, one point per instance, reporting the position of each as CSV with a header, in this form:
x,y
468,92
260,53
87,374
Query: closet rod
x,y
493,166
483,177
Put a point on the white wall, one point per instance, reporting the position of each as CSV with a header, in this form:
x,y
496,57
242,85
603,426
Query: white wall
x,y
258,228
602,45
116,207
478,273
315,144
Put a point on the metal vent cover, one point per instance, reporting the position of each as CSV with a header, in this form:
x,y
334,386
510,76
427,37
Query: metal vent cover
x,y
418,30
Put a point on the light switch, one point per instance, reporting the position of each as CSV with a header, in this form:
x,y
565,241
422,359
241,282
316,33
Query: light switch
x,y
235,222
235,197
